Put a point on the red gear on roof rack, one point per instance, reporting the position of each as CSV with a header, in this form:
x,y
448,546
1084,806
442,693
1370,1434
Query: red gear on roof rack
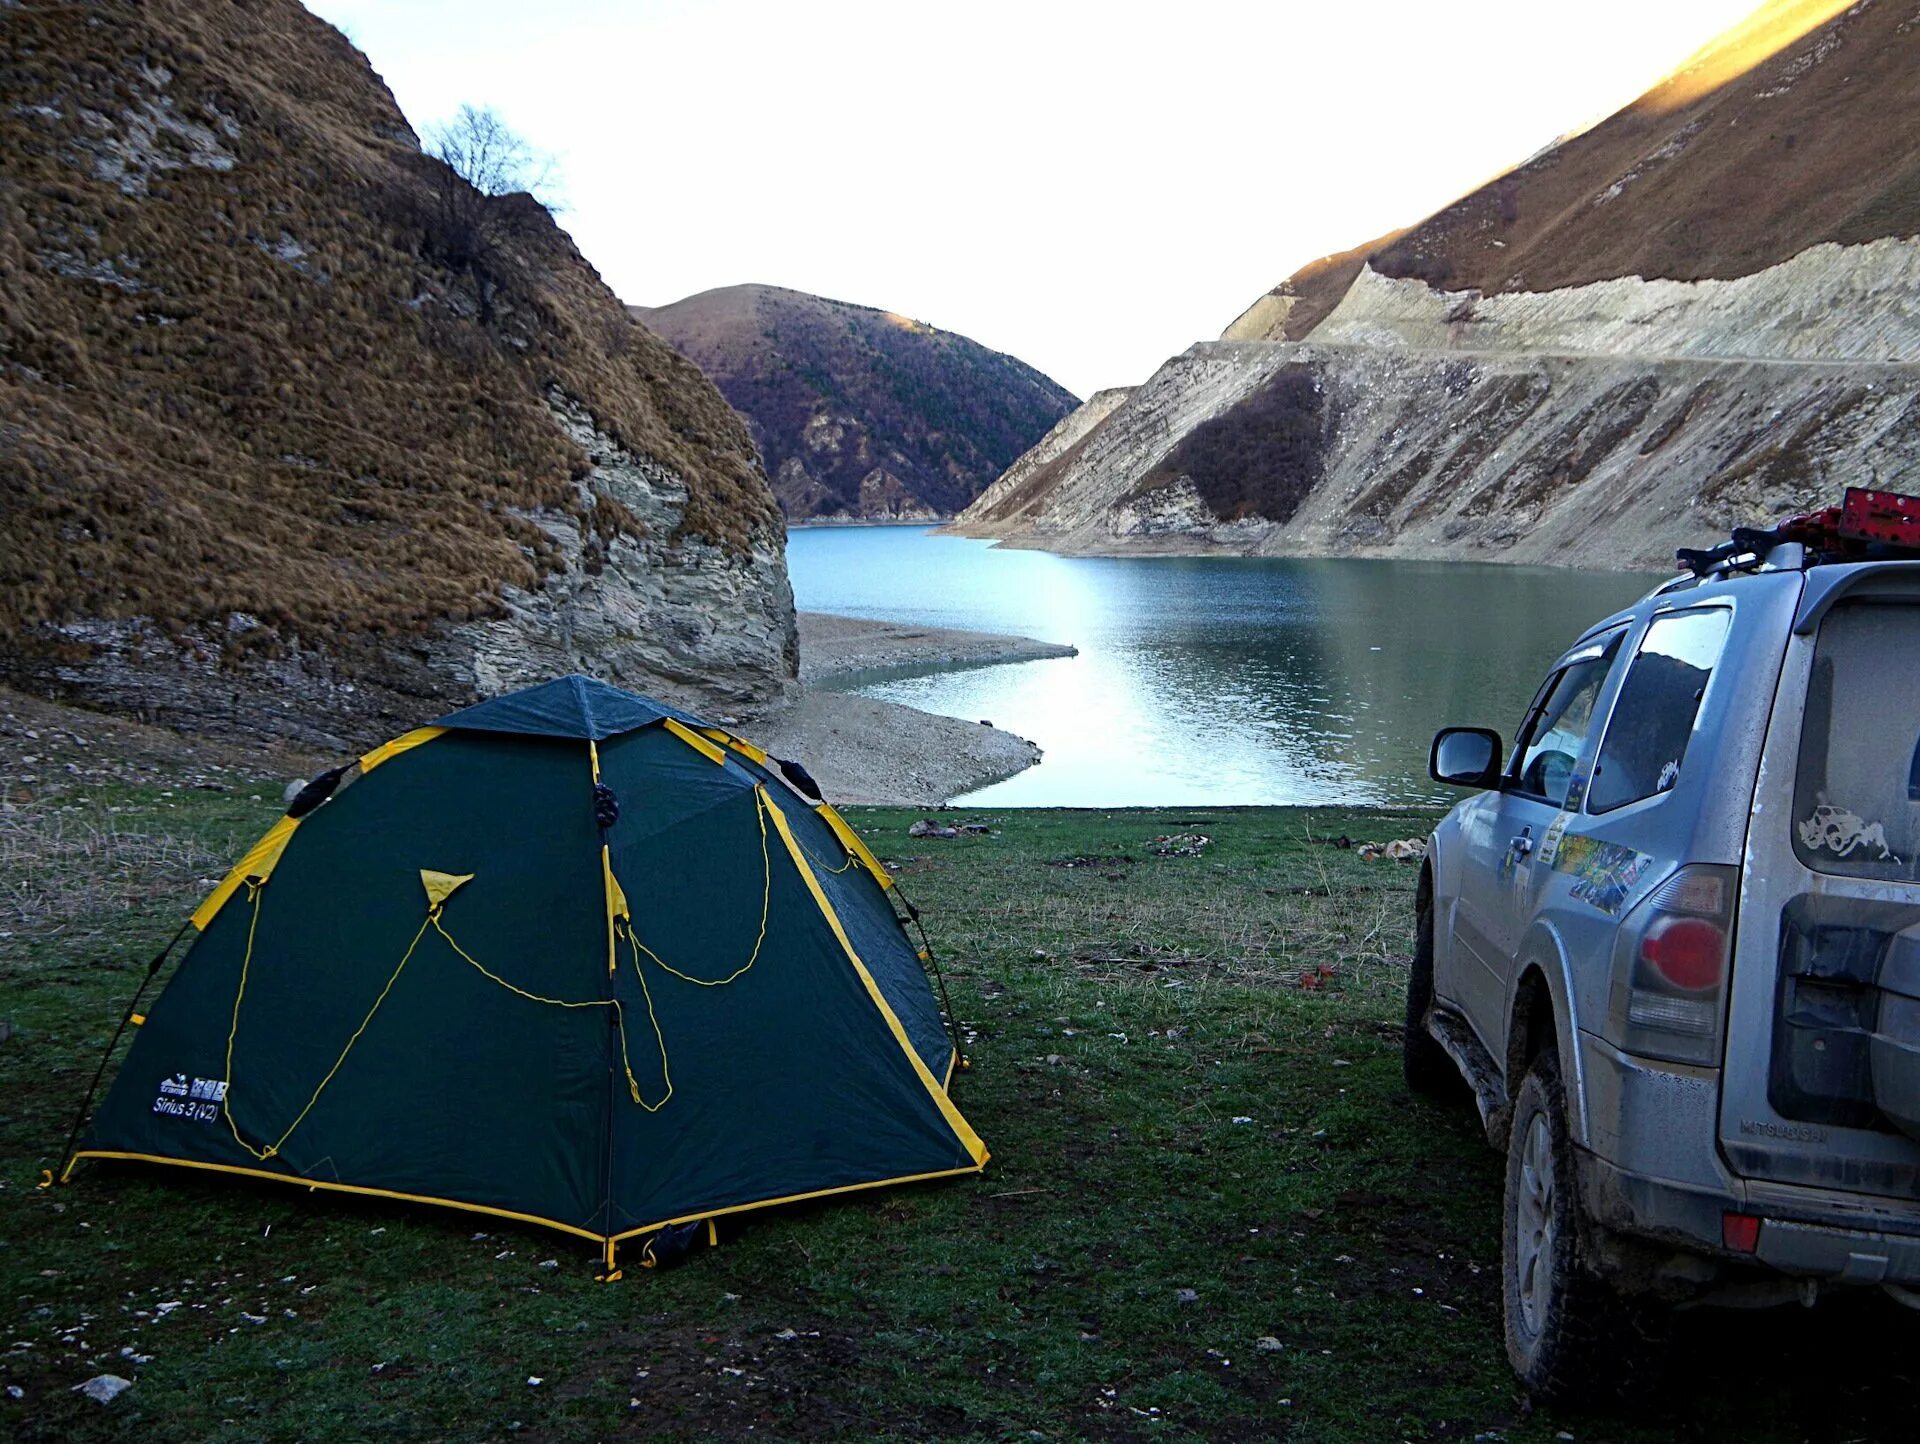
x,y
1867,525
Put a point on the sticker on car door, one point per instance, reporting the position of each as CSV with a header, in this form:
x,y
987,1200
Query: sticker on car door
x,y
1604,873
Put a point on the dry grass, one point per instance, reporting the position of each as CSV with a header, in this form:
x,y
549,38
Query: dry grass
x,y
234,380
64,865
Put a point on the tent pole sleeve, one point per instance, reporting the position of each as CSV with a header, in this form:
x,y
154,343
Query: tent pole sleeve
x,y
933,965
86,1103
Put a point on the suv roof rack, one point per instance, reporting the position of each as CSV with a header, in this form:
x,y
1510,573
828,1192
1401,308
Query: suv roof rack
x,y
1866,526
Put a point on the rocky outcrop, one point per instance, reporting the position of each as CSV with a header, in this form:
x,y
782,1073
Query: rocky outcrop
x,y
1034,475
290,442
1573,460
1829,303
709,624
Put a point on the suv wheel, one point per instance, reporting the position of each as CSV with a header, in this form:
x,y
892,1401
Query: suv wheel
x,y
1427,1067
1569,1336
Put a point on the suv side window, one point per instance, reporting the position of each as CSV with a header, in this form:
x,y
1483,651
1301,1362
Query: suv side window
x,y
1647,738
1551,738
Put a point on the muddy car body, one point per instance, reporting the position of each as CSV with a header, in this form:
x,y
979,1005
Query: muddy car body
x,y
1673,945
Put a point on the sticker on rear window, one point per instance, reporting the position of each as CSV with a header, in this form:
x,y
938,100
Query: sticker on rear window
x,y
1843,833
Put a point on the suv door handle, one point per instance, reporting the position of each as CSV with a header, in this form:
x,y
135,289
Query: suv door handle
x,y
1523,844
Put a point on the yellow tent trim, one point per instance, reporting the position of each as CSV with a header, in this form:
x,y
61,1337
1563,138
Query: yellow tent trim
x,y
962,1129
850,840
441,885
300,1182
576,1231
405,742
739,744
694,740
795,1198
258,864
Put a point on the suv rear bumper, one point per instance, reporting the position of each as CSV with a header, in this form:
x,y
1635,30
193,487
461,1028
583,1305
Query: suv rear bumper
x,y
1652,1172
1799,1236
1659,1179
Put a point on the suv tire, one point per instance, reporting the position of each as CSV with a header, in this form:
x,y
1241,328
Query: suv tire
x,y
1425,1063
1569,1336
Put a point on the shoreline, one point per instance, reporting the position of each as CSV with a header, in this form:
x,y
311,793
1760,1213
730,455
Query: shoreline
x,y
838,649
865,752
813,523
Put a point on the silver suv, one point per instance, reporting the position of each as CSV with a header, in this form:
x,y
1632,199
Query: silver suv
x,y
1673,947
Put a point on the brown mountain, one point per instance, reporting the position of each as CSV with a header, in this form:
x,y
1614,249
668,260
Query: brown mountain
x,y
1697,314
267,416
858,412
1799,125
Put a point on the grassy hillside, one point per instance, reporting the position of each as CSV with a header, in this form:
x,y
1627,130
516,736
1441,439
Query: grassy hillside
x,y
1791,129
1213,1213
860,412
250,390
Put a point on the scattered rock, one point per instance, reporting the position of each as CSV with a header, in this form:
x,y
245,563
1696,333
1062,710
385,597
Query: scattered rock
x,y
1406,849
104,1388
1181,844
1268,1344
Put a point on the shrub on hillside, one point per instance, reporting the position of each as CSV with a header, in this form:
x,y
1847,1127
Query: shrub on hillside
x,y
1261,457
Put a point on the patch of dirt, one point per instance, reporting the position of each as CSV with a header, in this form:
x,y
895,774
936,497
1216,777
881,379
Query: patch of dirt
x,y
800,1380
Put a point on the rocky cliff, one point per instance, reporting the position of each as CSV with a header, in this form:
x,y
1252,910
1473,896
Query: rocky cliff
x,y
1700,313
862,414
285,448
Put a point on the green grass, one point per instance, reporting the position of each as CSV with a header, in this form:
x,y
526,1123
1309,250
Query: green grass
x,y
1193,1152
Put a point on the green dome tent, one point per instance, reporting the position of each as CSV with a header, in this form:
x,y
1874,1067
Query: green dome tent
x,y
568,956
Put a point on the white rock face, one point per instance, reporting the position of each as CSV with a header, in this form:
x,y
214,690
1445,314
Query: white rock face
x,y
1829,303
1573,460
681,618
1600,425
1003,495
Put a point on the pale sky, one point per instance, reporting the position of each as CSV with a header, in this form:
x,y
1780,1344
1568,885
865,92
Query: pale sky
x,y
1090,187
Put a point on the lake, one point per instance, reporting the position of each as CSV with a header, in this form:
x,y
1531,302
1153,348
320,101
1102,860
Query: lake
x,y
1213,680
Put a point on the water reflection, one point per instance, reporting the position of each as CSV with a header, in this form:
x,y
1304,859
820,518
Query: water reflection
x,y
1214,680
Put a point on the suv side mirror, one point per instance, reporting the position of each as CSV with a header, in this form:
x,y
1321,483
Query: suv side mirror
x,y
1466,757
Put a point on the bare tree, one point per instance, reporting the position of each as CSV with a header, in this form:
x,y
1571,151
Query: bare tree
x,y
496,161
489,188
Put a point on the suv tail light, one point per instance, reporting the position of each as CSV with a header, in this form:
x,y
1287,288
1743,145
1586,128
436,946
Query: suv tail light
x,y
1670,966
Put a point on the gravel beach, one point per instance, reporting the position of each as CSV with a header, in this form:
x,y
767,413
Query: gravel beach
x,y
865,751
835,649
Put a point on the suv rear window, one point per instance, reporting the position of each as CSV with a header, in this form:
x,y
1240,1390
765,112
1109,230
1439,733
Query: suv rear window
x,y
1659,702
1856,807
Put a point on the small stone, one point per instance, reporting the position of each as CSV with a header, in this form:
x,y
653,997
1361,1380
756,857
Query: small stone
x,y
1268,1344
104,1388
1187,1296
534,1381
549,1263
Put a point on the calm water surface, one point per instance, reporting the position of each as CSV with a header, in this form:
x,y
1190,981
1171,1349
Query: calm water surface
x,y
1214,679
